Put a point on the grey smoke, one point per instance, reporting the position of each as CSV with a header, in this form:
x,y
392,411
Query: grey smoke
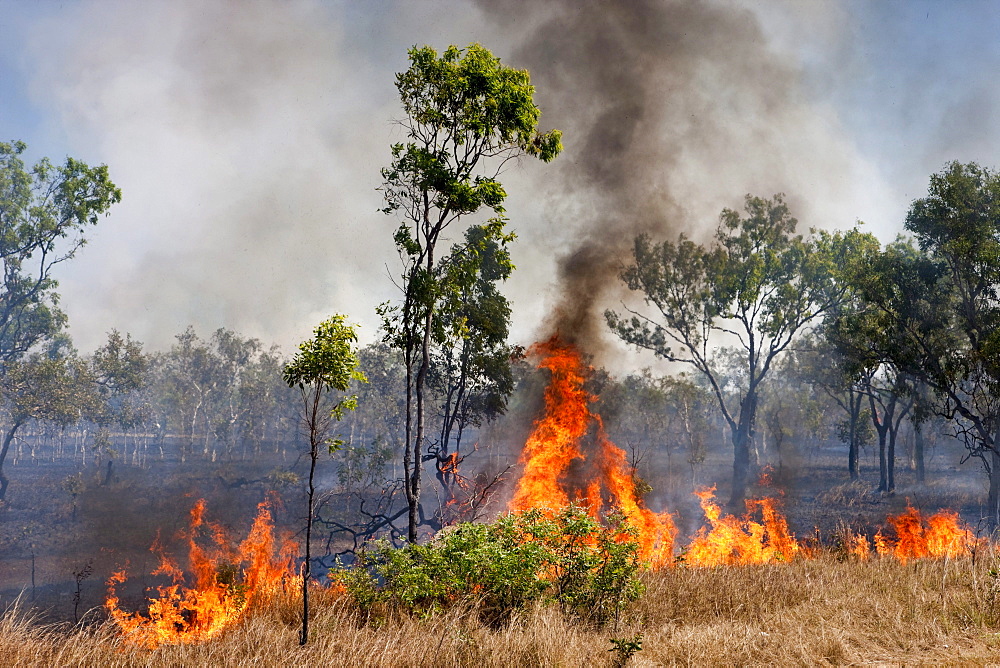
x,y
670,111
248,138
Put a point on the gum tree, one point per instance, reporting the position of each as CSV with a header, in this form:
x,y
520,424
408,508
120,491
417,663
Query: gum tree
x,y
44,212
466,116
943,306
758,284
326,363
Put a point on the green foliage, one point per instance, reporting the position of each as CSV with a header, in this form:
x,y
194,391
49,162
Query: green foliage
x,y
44,211
567,557
625,648
327,362
758,283
940,305
60,390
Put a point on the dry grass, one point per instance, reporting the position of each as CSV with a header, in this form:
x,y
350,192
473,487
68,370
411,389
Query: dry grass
x,y
819,612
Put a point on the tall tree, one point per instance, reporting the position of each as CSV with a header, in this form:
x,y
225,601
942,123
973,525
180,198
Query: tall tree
x,y
327,362
466,117
759,284
44,212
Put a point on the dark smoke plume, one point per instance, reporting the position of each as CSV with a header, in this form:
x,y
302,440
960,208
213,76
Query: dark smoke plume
x,y
637,87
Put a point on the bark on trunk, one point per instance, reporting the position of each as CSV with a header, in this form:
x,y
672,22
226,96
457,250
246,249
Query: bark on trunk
x,y
918,452
853,445
742,440
993,503
883,470
3,457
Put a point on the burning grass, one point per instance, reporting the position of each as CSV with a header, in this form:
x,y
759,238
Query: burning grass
x,y
226,582
832,609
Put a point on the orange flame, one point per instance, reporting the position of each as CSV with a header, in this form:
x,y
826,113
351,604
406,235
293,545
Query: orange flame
x,y
226,582
939,535
554,446
738,541
556,471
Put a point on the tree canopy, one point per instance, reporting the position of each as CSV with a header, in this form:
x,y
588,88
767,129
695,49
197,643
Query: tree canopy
x,y
44,211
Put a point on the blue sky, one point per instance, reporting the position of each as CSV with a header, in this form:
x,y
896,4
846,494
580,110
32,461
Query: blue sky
x,y
248,137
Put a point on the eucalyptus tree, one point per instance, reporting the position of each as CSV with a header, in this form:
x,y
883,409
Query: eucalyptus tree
x,y
54,386
944,306
44,212
828,370
758,284
863,339
467,116
326,363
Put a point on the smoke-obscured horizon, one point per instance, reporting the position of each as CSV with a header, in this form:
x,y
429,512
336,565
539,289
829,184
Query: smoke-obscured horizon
x,y
248,139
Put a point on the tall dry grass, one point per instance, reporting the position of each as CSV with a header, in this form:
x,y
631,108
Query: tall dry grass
x,y
819,612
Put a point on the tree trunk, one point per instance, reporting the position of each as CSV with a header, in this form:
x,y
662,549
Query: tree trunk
x,y
315,437
891,464
918,452
883,469
413,499
852,428
993,503
8,438
742,440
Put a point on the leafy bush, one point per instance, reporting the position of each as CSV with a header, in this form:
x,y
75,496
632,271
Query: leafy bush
x,y
566,556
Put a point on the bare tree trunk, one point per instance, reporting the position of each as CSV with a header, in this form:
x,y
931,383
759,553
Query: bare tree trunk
x,y
993,503
853,436
8,438
315,437
918,452
883,467
418,440
742,441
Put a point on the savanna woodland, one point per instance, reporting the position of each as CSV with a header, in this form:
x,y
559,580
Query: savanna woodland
x,y
806,469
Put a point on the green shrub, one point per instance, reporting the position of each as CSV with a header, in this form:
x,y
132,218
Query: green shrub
x,y
566,556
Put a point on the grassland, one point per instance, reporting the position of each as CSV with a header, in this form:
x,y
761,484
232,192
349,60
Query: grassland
x,y
825,611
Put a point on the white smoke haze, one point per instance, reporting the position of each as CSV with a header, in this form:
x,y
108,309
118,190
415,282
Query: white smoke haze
x,y
248,137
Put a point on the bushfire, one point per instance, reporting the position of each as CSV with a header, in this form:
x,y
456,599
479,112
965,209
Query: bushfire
x,y
558,471
568,458
226,582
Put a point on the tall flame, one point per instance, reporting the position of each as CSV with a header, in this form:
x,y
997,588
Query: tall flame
x,y
226,581
556,444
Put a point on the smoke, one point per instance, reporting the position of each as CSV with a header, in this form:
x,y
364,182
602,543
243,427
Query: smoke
x,y
248,138
671,111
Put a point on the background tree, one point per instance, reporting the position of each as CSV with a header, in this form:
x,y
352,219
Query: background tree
x,y
828,370
944,305
54,386
327,362
758,283
466,117
470,373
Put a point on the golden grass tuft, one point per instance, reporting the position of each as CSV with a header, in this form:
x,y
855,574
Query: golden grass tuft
x,y
826,611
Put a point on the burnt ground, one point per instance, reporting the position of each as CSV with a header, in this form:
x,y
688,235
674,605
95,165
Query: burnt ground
x,y
117,520
115,523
